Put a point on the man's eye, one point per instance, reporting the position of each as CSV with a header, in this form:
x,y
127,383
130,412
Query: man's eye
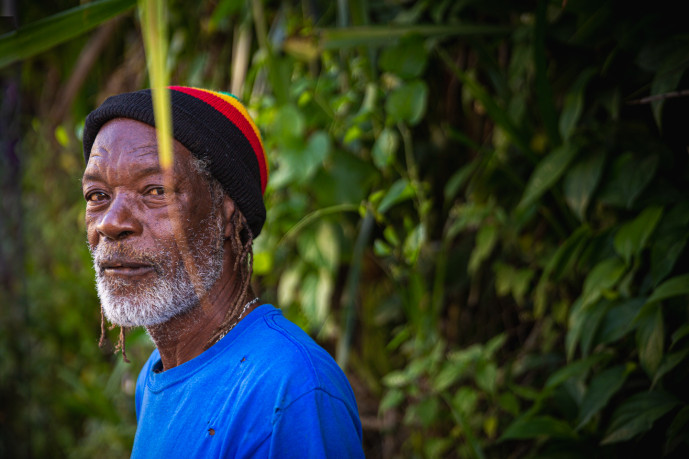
x,y
157,191
96,196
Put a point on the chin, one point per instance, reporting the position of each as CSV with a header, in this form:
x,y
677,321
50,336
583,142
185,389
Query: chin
x,y
146,306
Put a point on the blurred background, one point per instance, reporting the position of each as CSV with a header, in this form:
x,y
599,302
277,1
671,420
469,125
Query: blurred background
x,y
480,208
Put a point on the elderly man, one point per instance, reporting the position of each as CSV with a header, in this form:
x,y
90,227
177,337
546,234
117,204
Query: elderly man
x,y
230,376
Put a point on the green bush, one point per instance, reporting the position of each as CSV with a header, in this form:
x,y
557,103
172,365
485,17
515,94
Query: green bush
x,y
480,208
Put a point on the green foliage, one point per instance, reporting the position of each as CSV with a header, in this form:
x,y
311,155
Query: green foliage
x,y
477,207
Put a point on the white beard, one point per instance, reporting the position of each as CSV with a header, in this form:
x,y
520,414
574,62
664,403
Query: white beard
x,y
133,303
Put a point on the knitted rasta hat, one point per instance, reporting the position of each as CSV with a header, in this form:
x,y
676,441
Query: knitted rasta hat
x,y
213,126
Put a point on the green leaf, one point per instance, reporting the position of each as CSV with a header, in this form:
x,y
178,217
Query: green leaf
x,y
603,386
576,369
669,362
509,403
559,264
316,290
298,165
346,37
413,243
391,399
465,400
547,173
494,344
580,183
448,375
328,245
678,431
629,176
288,126
384,148
42,35
406,60
407,103
602,277
457,180
619,320
510,280
486,237
650,336
396,379
675,286
637,415
524,428
289,284
486,377
423,412
576,321
680,333
574,104
669,241
665,80
400,191
592,321
632,236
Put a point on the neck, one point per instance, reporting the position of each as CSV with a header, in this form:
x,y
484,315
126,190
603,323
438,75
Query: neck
x,y
185,337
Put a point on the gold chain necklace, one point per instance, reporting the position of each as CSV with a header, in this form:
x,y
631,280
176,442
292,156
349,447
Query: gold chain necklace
x,y
246,306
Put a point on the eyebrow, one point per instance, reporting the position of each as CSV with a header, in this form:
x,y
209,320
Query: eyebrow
x,y
150,170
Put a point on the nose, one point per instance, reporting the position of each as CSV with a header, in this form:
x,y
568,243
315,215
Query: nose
x,y
118,222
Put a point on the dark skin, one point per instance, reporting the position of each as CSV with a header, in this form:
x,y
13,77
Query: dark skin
x,y
127,203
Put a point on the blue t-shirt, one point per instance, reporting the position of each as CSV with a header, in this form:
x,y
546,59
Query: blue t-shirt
x,y
264,390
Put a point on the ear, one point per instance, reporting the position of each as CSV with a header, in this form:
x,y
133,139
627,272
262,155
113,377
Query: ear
x,y
227,212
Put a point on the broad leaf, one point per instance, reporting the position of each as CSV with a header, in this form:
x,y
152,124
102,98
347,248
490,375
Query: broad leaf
x,y
384,149
602,277
592,322
680,333
580,183
574,104
391,399
676,286
407,103
664,81
603,386
400,191
538,426
559,263
547,173
669,362
631,237
406,60
42,35
669,240
637,415
678,430
575,369
346,37
486,238
650,336
629,176
619,320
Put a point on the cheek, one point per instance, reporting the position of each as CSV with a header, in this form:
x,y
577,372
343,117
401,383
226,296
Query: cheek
x,y
91,233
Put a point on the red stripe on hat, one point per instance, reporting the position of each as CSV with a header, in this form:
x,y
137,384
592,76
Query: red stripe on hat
x,y
238,119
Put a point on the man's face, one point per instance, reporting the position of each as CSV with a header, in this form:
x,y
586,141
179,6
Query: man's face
x,y
140,272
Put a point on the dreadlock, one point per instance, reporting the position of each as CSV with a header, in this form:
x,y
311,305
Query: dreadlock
x,y
242,241
120,346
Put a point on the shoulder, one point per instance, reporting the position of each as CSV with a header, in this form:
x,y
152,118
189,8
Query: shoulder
x,y
289,353
286,355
